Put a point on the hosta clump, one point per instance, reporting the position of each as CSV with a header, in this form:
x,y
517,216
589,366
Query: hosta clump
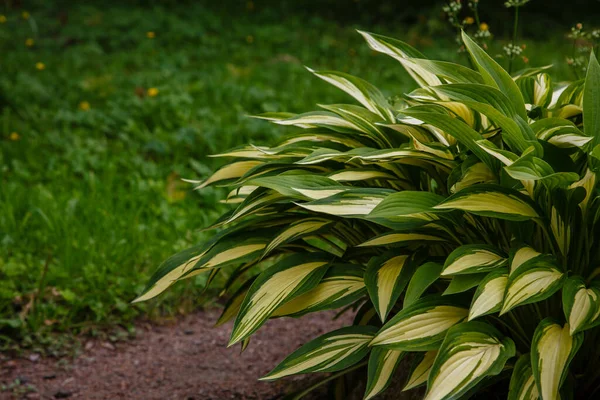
x,y
460,227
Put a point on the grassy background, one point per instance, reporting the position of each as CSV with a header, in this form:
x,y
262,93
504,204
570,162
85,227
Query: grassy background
x,y
91,199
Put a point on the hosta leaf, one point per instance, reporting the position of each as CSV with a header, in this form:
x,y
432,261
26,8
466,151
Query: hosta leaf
x,y
354,202
473,258
451,72
504,156
491,201
534,280
198,258
294,275
365,93
382,365
531,168
581,304
352,175
494,75
362,119
591,100
341,285
386,277
420,370
454,127
297,230
489,295
256,201
405,205
402,238
552,350
230,171
331,352
420,326
470,352
520,256
462,283
495,105
401,51
300,186
560,132
536,90
422,278
522,383
322,119
469,174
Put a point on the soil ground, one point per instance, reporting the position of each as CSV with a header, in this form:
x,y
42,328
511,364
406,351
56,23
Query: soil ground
x,y
187,359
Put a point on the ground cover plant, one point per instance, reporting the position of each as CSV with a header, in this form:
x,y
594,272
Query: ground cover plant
x,y
459,224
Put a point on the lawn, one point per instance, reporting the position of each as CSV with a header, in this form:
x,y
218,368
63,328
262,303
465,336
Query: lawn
x,y
104,109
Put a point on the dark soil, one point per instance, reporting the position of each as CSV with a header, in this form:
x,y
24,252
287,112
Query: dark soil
x,y
187,359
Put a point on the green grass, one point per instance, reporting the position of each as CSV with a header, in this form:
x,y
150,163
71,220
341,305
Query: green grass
x,y
90,200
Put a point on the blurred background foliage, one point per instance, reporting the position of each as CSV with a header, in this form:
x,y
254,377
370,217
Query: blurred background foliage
x,y
105,106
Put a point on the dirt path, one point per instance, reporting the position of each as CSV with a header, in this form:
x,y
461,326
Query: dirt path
x,y
185,360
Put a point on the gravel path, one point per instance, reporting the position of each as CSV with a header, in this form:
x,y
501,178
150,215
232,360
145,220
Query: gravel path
x,y
185,360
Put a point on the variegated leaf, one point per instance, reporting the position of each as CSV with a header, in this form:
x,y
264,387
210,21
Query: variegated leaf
x,y
365,93
386,277
491,201
420,370
382,365
353,202
489,296
473,258
471,351
522,383
291,277
581,304
297,230
534,280
420,326
552,350
331,352
403,238
341,285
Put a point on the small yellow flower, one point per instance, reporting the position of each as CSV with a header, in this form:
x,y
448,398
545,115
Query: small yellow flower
x,y
483,26
25,15
2,19
84,106
150,35
469,20
579,26
250,39
152,92
14,136
250,5
40,66
29,42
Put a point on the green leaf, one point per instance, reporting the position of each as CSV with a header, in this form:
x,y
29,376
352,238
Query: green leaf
x,y
473,258
291,277
352,202
331,352
552,350
420,326
471,351
591,100
494,75
491,201
424,276
382,365
489,296
522,383
297,230
462,283
385,278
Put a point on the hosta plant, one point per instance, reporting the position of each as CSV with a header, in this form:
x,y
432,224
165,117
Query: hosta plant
x,y
460,227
